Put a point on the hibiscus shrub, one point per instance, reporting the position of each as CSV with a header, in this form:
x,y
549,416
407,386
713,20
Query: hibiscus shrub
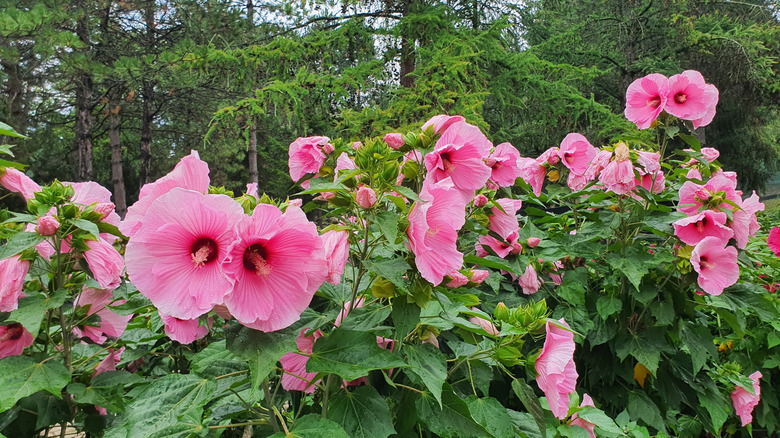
x,y
449,288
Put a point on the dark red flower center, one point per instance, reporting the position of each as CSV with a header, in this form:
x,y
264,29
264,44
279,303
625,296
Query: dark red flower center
x,y
680,97
256,260
655,102
13,332
204,251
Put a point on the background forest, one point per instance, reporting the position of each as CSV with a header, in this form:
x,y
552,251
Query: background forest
x,y
118,91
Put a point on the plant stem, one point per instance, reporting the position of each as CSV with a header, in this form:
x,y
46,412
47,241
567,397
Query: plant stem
x,y
327,394
271,417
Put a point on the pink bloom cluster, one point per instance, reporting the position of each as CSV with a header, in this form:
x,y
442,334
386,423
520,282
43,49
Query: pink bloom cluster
x,y
683,95
192,251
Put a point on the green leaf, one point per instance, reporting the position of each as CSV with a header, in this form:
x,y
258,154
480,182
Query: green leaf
x,y
313,426
407,192
406,316
21,376
640,407
363,413
572,288
645,347
525,426
599,419
452,419
108,398
716,405
388,225
165,403
633,266
87,226
9,131
606,306
491,415
33,309
488,262
18,243
216,360
350,354
527,397
698,340
393,270
430,365
366,318
262,350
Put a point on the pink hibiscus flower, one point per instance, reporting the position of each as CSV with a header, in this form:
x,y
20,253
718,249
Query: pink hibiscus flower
x,y
576,153
645,99
693,196
744,402
690,98
18,182
14,338
110,362
504,165
336,246
587,425
295,377
47,225
652,182
744,221
365,197
693,229
306,156
533,174
555,365
176,261
190,173
456,280
441,122
277,263
433,230
488,326
529,281
458,155
13,270
716,265
504,223
394,139
111,324
105,262
185,331
650,161
773,241
618,176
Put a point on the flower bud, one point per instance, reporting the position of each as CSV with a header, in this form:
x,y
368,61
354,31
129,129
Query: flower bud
x,y
480,201
533,242
356,145
479,275
105,209
366,197
501,313
394,140
295,203
47,225
328,148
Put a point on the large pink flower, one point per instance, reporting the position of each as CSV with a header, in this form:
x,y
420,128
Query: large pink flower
x,y
529,281
18,182
587,425
306,156
773,241
12,273
533,174
433,231
744,221
458,155
295,377
576,153
111,324
693,196
336,246
504,220
190,173
441,122
618,177
690,98
744,402
277,263
110,362
645,99
716,265
105,262
175,259
693,229
504,165
14,338
555,365
185,331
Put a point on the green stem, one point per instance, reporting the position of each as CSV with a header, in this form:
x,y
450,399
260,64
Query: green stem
x,y
326,396
271,417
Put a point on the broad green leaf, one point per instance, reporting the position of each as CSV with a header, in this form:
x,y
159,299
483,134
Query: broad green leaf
x,y
215,360
645,347
33,309
698,340
262,350
640,407
524,424
163,404
491,415
313,426
363,413
717,406
599,419
9,131
633,266
452,419
606,306
350,354
407,192
108,398
366,318
388,225
406,316
393,270
573,287
527,397
18,243
430,365
488,262
87,226
21,376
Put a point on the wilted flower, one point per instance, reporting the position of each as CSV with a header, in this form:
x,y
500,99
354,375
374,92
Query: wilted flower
x,y
184,331
555,365
14,338
744,402
365,197
306,156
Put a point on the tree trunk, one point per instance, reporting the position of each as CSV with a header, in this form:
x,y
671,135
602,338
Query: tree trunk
x,y
253,177
17,118
407,51
250,13
117,176
146,133
84,127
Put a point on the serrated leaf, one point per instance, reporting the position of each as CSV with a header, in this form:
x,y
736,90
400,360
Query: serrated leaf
x,y
452,419
430,365
407,192
406,316
527,397
366,318
599,419
645,347
633,266
393,270
108,398
262,350
607,306
640,407
698,340
87,226
488,262
18,243
388,225
21,376
492,415
362,413
313,426
350,354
